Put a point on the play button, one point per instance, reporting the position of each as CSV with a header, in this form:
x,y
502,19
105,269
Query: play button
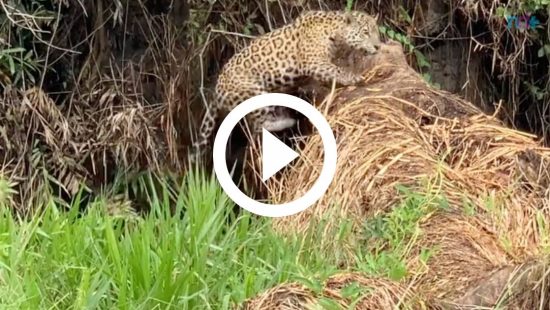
x,y
275,155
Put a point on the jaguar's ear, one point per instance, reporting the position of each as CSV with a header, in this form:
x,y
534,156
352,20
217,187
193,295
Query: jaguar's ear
x,y
348,18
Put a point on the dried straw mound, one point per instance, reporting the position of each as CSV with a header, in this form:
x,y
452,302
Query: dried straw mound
x,y
394,130
523,286
481,259
347,291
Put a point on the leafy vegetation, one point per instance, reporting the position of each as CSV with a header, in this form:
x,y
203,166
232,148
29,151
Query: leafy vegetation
x,y
21,24
421,62
390,236
81,110
199,255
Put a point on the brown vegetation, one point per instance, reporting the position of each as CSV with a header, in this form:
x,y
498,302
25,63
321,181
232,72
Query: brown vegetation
x,y
120,85
127,80
395,130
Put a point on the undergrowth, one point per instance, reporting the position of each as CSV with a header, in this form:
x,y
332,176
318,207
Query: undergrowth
x,y
196,253
389,237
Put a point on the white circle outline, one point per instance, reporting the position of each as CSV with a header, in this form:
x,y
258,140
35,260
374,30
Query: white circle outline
x,y
321,184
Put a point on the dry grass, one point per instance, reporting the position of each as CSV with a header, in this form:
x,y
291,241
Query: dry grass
x,y
395,130
128,81
127,109
370,293
123,108
122,88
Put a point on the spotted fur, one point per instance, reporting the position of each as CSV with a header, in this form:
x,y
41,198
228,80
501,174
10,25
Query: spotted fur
x,y
281,58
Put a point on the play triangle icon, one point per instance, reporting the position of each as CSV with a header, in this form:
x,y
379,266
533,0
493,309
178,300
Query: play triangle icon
x,y
275,155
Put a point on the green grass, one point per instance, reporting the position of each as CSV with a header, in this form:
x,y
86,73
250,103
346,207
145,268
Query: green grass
x,y
201,256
